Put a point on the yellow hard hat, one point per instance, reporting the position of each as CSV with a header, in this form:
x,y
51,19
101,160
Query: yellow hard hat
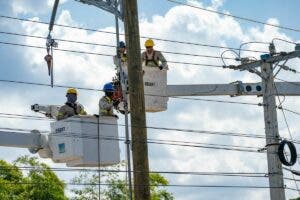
x,y
149,43
72,91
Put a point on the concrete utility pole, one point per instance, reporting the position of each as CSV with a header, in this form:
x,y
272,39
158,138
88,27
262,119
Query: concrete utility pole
x,y
269,91
272,136
137,102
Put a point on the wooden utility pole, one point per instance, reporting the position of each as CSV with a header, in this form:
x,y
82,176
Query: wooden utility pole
x,y
137,102
272,136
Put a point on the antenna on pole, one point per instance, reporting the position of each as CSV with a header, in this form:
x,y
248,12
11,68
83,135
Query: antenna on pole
x,y
51,43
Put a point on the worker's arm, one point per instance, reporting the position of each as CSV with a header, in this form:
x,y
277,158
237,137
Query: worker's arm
x,y
82,111
162,59
143,57
61,114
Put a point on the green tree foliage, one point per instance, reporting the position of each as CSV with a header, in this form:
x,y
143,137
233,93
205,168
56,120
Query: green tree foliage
x,y
115,186
39,183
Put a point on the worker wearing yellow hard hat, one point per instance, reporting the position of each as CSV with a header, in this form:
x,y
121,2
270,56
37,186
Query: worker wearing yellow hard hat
x,y
72,91
71,107
153,58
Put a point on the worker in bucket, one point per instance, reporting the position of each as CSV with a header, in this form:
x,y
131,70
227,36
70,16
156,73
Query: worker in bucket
x,y
153,58
106,103
71,107
123,58
122,51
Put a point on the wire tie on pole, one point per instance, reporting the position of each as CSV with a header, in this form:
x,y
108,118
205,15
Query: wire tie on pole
x,y
262,149
271,144
127,142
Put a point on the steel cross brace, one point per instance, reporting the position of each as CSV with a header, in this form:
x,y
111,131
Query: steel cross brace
x,y
108,5
273,59
237,88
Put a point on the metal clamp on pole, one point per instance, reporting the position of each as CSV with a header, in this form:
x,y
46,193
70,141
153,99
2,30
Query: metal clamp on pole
x,y
239,88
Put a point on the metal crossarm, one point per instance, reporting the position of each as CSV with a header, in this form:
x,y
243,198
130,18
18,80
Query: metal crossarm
x,y
272,59
108,5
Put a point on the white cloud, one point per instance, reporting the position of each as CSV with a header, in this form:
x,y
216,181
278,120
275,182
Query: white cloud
x,y
32,6
216,4
89,70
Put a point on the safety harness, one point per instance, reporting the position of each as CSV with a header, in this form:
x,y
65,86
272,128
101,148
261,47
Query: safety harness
x,y
74,106
152,59
123,57
107,112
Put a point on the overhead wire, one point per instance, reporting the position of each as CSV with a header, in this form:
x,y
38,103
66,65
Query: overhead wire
x,y
146,37
159,141
250,20
284,40
191,173
111,46
156,185
289,130
151,141
246,43
222,133
6,115
235,16
94,89
229,50
103,54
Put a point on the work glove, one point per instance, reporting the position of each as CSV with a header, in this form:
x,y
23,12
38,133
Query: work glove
x,y
116,103
160,67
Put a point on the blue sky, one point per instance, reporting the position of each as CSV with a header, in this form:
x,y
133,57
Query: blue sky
x,y
161,19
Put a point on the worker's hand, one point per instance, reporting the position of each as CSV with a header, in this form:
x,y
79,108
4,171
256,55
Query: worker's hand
x,y
116,103
160,67
116,116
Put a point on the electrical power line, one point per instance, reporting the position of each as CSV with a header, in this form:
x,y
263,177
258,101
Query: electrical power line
x,y
218,186
235,16
109,32
289,110
156,185
192,173
93,89
289,131
235,134
155,141
111,46
103,54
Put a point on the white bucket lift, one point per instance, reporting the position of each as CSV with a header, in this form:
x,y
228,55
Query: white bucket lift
x,y
155,89
74,141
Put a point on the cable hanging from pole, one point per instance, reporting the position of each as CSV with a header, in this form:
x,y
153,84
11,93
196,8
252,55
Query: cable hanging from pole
x,y
290,144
